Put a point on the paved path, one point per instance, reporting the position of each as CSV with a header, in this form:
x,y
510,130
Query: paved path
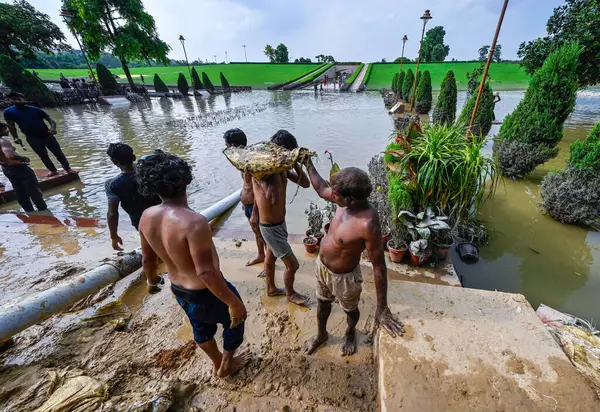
x,y
293,85
359,79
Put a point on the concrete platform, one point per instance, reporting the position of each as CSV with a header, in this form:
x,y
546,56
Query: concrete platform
x,y
7,193
467,349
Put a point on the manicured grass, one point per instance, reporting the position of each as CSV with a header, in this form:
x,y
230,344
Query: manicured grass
x,y
503,75
256,75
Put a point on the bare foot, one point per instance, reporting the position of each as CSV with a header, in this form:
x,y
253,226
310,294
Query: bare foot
x,y
298,299
256,260
236,365
51,174
348,346
262,274
314,343
275,292
71,171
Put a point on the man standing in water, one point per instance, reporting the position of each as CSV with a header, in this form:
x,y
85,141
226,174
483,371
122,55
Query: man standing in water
x,y
124,190
355,227
269,215
31,121
183,240
21,176
237,138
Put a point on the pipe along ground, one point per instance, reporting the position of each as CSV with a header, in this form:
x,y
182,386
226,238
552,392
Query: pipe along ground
x,y
35,309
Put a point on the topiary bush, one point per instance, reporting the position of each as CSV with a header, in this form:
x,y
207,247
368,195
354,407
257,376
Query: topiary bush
x,y
22,81
182,84
196,83
399,197
207,83
400,82
159,85
585,155
537,122
395,82
412,89
485,113
445,108
224,82
424,98
107,81
407,84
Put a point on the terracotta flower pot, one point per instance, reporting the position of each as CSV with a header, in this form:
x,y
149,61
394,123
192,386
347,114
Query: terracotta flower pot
x,y
396,255
418,260
311,244
385,239
442,252
319,236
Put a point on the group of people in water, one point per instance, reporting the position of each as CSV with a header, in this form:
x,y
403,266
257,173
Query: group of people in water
x,y
153,193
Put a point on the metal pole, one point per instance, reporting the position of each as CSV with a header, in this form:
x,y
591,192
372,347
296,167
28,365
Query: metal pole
x,y
487,68
414,91
188,63
82,51
215,57
226,56
245,55
402,58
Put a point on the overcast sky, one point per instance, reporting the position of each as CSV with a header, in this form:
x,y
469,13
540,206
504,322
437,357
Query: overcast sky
x,y
349,30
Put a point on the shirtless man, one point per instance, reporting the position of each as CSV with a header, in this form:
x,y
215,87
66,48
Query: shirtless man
x,y
183,240
355,227
269,216
237,138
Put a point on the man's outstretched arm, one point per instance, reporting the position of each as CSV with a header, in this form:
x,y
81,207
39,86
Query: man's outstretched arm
x,y
321,186
298,176
149,264
12,128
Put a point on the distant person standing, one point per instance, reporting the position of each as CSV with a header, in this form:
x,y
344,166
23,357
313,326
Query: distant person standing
x,y
142,78
21,176
31,121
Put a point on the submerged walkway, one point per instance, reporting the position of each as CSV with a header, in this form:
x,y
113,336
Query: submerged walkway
x,y
359,79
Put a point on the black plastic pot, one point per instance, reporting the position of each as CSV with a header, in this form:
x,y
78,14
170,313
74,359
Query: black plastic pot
x,y
468,253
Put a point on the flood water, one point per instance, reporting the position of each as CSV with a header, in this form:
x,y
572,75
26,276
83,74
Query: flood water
x,y
529,253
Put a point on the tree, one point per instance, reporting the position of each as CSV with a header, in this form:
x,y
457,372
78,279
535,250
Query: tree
x,y
182,84
484,52
407,85
25,31
107,80
270,53
576,20
207,83
430,51
121,26
498,53
404,60
281,54
321,58
22,81
159,85
303,60
424,96
445,108
395,82
196,83
400,83
224,82
384,60
529,135
485,112
473,80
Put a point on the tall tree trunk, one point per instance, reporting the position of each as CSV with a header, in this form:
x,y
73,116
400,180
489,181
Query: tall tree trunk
x,y
127,72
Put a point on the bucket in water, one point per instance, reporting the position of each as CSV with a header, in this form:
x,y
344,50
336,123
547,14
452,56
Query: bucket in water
x,y
468,253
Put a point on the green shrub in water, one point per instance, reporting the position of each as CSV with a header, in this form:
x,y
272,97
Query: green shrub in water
x,y
182,84
445,108
407,84
485,113
400,82
424,96
207,83
159,85
529,135
224,82
585,155
107,80
395,82
196,82
15,77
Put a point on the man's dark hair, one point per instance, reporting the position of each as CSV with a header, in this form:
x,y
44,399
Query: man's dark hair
x,y
285,139
15,94
235,138
121,153
164,174
352,182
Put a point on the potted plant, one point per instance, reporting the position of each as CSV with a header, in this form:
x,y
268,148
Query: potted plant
x,y
311,244
419,251
443,242
329,213
421,227
396,245
315,222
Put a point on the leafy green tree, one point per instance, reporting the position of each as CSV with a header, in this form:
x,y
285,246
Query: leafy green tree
x,y
14,76
25,31
224,82
107,81
395,82
304,60
159,85
424,96
576,20
400,82
207,83
270,53
407,85
121,26
196,83
281,54
404,60
321,58
585,155
484,52
445,108
529,135
433,45
485,112
182,84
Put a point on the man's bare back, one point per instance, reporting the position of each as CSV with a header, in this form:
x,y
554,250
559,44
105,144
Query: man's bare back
x,y
270,197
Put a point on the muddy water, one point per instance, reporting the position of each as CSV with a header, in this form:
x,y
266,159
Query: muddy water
x,y
550,263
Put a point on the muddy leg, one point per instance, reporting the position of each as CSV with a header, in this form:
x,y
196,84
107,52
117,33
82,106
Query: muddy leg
x,y
323,312
270,275
260,245
348,346
291,267
232,364
213,352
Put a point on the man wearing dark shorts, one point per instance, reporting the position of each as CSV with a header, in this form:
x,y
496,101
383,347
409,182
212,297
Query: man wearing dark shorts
x,y
31,121
124,190
183,240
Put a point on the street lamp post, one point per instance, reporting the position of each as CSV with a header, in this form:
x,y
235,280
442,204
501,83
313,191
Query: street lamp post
x,y
215,56
182,40
68,17
245,55
425,17
226,57
404,40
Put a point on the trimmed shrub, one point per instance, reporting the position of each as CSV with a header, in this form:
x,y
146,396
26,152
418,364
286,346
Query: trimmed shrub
x,y
585,155
407,84
400,82
224,82
22,81
196,83
399,197
424,96
182,84
395,82
107,80
537,122
485,113
445,108
207,83
159,85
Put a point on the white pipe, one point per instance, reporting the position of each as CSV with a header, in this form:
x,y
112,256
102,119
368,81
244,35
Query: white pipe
x,y
35,309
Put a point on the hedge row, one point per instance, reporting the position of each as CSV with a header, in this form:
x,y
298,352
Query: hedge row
x,y
295,79
368,74
354,75
312,77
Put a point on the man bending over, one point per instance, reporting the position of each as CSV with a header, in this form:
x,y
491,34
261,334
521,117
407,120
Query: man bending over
x,y
355,227
183,240
269,215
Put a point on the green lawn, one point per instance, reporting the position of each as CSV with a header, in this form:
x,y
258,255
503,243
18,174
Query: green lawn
x,y
258,76
503,75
